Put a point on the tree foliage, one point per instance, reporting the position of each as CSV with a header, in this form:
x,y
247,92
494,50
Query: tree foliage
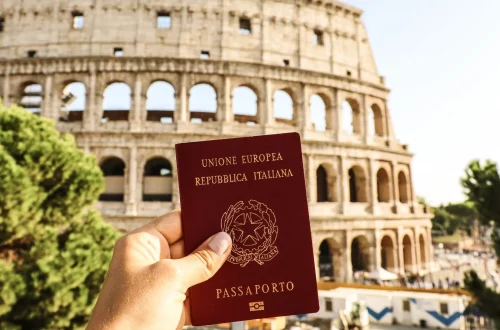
x,y
481,185
54,249
453,217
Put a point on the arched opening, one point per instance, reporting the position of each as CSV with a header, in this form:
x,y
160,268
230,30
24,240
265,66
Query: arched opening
x,y
157,186
318,112
403,187
116,102
202,103
321,184
245,105
357,185
32,97
376,121
113,169
383,190
283,107
351,121
388,254
423,256
329,260
360,254
73,102
160,102
407,254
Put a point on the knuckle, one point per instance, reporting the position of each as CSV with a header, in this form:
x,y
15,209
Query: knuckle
x,y
208,261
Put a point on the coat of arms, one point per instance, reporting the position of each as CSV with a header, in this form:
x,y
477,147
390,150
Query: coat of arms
x,y
252,227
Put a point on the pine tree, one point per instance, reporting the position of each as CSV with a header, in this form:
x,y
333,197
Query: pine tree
x,y
54,249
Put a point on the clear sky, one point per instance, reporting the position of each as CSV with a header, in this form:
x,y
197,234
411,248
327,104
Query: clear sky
x,y
441,60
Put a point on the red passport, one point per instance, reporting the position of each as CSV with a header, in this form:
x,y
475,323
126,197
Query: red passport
x,y
253,188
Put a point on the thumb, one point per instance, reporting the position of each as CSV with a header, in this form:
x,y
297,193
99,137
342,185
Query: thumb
x,y
205,261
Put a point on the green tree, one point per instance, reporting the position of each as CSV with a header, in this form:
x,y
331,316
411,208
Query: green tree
x,y
453,217
481,185
54,249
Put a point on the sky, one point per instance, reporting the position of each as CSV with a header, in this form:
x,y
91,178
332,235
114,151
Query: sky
x,y
441,60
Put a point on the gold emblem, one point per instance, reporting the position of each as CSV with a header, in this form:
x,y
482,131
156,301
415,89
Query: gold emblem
x,y
253,229
256,306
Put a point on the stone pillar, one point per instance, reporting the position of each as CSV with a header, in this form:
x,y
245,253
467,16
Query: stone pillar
x,y
303,108
311,179
316,264
372,177
6,87
401,259
46,106
414,256
364,112
132,183
417,250
175,188
395,187
181,101
395,256
347,256
224,108
268,113
344,198
412,199
137,106
337,114
90,113
378,249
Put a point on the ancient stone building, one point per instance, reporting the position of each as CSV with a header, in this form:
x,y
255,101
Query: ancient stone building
x,y
265,66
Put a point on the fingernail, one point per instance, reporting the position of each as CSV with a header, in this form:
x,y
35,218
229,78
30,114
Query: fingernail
x,y
220,243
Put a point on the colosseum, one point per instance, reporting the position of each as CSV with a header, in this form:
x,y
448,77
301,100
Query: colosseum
x,y
131,78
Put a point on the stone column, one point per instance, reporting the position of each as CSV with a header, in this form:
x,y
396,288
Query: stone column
x,y
181,101
412,200
395,253
365,110
303,107
395,188
224,108
46,106
6,87
372,175
417,250
337,114
316,264
311,179
401,259
137,106
89,114
175,188
132,183
344,198
268,113
378,249
347,256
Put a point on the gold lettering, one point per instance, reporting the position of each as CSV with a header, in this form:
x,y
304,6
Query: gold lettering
x,y
282,284
226,294
279,157
233,291
204,162
218,292
291,285
265,288
249,292
257,287
197,181
211,162
275,287
240,291
255,158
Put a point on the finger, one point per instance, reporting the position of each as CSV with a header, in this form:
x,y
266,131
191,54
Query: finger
x,y
205,261
177,250
168,225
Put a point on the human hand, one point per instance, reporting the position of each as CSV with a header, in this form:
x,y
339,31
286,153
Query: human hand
x,y
146,284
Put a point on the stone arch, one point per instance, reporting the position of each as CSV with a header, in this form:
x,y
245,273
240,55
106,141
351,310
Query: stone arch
x,y
360,253
423,249
408,253
351,116
157,184
317,106
376,120
329,261
388,253
73,101
203,103
31,96
325,183
283,106
357,185
113,169
383,186
245,104
160,102
117,101
402,187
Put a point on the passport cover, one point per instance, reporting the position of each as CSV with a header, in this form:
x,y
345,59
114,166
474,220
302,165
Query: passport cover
x,y
253,188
